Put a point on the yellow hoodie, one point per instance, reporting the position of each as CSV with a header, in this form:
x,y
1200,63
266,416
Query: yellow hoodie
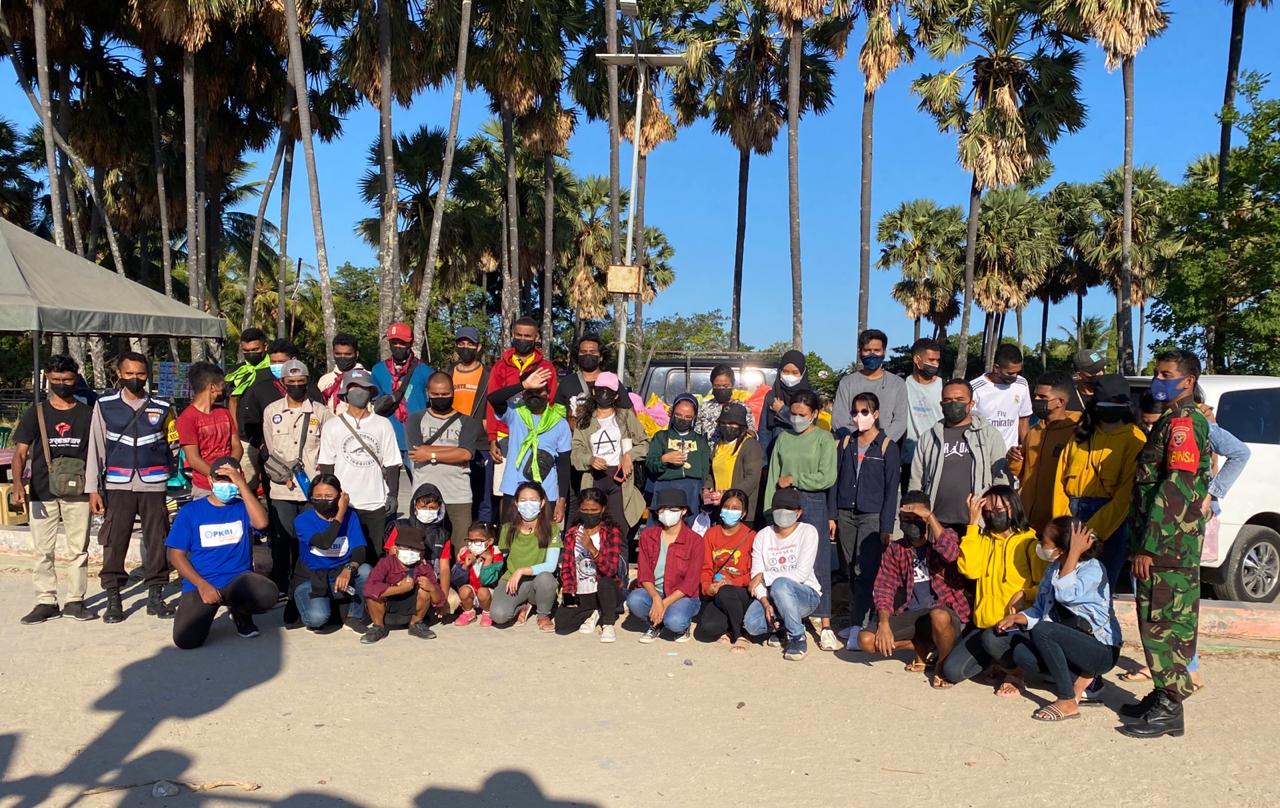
x,y
1002,567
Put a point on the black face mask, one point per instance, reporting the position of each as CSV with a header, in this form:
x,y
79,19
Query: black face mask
x,y
467,355
344,363
722,394
929,371
254,357
441,404
605,398
996,522
588,362
730,432
682,425
296,392
62,390
1000,377
536,404
1040,408
522,347
135,386
912,529
1109,415
590,519
328,508
401,355
953,412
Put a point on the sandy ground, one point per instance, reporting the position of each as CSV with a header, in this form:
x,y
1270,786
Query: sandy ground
x,y
482,717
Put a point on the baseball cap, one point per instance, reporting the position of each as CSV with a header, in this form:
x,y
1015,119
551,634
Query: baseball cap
x,y
1090,361
401,332
786,499
467,332
1111,389
294,367
357,377
222,462
608,381
733,413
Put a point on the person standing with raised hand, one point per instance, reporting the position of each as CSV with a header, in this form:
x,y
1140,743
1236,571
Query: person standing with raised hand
x,y
538,439
515,366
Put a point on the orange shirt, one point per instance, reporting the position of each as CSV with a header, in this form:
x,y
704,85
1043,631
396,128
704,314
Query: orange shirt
x,y
730,555
466,386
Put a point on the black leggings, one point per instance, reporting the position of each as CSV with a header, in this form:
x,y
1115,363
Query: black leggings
x,y
248,593
605,599
374,525
975,652
1062,654
284,542
722,614
603,482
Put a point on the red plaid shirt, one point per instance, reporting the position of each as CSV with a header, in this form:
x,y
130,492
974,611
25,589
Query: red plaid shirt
x,y
610,545
897,576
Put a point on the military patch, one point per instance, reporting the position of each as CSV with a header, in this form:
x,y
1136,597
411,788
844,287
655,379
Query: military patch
x,y
1183,453
277,418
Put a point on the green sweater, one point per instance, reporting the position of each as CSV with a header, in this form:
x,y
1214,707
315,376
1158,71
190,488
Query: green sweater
x,y
810,459
696,466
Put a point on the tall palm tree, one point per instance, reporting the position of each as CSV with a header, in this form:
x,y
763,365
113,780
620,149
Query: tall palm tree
x,y
1022,94
546,132
1122,28
1239,9
40,25
1077,227
926,243
1016,247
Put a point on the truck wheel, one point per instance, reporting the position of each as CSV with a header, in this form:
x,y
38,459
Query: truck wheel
x,y
1253,572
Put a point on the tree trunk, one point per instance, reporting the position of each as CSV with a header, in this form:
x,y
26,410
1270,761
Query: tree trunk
x,y
1044,333
1142,333
505,236
40,23
388,264
739,251
548,245
251,276
162,192
864,211
1234,48
511,283
970,256
313,178
1079,319
615,191
916,336
1124,328
72,201
189,157
446,172
796,36
202,201
1018,315
286,188
988,327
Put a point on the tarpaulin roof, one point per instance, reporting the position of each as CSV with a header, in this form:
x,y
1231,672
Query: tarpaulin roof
x,y
46,288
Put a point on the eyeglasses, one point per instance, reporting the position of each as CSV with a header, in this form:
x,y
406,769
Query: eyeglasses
x,y
863,411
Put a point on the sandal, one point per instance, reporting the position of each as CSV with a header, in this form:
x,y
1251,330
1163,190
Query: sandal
x,y
939,683
915,666
1052,713
1140,675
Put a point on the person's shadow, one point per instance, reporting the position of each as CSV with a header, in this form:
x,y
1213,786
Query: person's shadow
x,y
503,788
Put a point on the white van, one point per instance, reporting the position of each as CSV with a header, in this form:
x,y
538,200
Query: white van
x,y
1246,566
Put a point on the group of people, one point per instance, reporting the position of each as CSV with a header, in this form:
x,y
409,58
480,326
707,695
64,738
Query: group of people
x,y
983,526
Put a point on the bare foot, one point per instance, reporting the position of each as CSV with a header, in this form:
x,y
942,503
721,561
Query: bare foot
x,y
1010,688
741,647
724,638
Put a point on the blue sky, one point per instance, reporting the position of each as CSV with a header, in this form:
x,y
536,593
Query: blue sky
x,y
692,185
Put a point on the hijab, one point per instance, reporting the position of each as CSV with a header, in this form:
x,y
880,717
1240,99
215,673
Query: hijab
x,y
781,391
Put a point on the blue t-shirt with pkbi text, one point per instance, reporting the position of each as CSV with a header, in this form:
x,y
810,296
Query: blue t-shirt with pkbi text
x,y
218,540
350,536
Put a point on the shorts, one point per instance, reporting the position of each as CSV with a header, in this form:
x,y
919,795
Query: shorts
x,y
459,576
909,624
400,609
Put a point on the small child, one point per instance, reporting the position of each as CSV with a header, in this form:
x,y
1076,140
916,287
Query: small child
x,y
474,573
401,588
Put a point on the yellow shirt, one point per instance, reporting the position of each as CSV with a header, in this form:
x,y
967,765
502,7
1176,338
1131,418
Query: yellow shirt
x,y
1103,466
1001,568
722,463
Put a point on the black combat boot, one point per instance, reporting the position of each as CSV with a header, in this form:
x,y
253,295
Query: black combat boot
x,y
1164,718
1140,709
156,605
115,610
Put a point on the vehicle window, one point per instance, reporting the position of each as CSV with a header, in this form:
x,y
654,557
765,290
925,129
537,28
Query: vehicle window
x,y
1253,416
698,383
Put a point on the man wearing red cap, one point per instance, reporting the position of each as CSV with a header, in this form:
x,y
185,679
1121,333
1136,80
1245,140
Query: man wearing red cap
x,y
402,384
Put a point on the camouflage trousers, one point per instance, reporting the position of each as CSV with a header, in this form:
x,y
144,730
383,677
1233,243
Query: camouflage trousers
x,y
1168,606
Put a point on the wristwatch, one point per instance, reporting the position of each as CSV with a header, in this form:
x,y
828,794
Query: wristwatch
x,y
433,458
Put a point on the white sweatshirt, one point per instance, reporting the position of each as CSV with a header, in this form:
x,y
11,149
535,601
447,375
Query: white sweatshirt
x,y
790,557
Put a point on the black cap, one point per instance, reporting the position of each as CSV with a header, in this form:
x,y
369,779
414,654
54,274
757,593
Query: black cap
x,y
221,462
410,538
787,499
1111,389
672,498
733,413
1090,361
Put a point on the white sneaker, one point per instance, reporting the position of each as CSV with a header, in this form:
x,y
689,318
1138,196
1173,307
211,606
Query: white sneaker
x,y
686,636
607,634
589,627
827,640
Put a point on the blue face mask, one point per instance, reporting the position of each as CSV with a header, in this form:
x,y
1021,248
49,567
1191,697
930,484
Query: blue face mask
x,y
730,518
872,362
1166,389
226,492
276,368
529,510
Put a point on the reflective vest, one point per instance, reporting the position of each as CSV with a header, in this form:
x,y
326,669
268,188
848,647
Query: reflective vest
x,y
136,445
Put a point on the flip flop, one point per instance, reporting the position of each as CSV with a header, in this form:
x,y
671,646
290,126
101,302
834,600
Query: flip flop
x,y
939,683
1052,713
916,666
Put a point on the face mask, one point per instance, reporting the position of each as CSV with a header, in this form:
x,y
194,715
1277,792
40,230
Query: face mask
x,y
467,355
441,404
912,529
730,432
929,371
529,510
872,362
590,520
400,355
408,557
799,423
605,398
62,390
789,380
1040,408
996,522
476,547
252,358
522,347
785,518
722,395
1045,554
1000,377
730,517
295,392
864,422
1165,389
429,516
536,404
328,508
359,397
588,362
135,386
953,412
682,425
277,368
669,518
226,492
344,363
1109,415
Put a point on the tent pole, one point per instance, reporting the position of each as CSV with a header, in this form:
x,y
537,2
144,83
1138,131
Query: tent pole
x,y
35,367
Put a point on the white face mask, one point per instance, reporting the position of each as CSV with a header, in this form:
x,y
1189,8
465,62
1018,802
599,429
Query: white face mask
x,y
789,380
799,423
1045,554
785,518
476,547
669,518
429,515
408,557
529,509
864,422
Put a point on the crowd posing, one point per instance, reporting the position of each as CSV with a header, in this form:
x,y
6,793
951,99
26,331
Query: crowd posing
x,y
982,526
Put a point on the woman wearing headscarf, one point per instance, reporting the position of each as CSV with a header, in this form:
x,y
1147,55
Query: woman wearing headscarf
x,y
775,415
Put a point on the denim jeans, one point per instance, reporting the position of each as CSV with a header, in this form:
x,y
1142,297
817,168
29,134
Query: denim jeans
x,y
814,512
1062,654
315,612
677,618
792,602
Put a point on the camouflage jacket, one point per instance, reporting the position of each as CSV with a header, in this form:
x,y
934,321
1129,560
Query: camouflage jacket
x,y
1171,483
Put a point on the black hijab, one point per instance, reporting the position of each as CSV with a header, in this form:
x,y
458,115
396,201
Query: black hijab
x,y
780,390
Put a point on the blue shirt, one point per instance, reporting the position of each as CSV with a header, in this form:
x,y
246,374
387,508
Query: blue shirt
x,y
309,523
1223,443
556,440
1085,592
415,394
218,540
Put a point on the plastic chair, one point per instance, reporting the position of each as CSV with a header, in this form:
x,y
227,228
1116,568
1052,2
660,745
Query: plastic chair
x,y
6,432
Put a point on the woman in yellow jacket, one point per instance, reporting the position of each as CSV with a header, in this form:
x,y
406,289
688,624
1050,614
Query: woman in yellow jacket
x,y
1000,558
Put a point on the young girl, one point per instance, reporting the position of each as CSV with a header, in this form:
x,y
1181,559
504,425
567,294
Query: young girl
x,y
589,570
475,572
726,571
532,548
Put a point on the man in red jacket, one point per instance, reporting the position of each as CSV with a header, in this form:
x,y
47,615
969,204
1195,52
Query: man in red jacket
x,y
523,358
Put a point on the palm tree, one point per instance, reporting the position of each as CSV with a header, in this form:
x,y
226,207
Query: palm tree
x,y
925,242
546,132
1239,8
1016,247
1122,28
1077,216
1023,94
19,193
40,25
588,252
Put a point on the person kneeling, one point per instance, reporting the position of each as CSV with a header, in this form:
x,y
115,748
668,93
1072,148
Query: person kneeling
x,y
331,556
211,547
669,572
401,588
918,591
783,581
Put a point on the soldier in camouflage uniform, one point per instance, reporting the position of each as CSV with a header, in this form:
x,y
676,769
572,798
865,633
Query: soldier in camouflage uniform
x,y
1171,485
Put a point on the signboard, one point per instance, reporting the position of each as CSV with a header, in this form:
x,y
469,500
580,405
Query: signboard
x,y
623,280
171,380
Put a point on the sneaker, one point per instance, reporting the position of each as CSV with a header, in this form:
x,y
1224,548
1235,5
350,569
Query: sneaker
x,y
650,634
422,631
686,636
607,634
465,618
589,627
41,613
827,640
796,649
76,611
356,624
374,633
486,620
245,626
774,641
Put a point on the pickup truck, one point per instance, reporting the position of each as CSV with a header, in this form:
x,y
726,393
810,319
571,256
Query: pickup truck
x,y
670,374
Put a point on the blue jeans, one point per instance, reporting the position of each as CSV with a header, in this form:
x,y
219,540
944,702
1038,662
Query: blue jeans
x,y
792,602
814,507
315,612
678,616
1115,548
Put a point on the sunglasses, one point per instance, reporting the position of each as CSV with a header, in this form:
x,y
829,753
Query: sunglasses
x,y
863,411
